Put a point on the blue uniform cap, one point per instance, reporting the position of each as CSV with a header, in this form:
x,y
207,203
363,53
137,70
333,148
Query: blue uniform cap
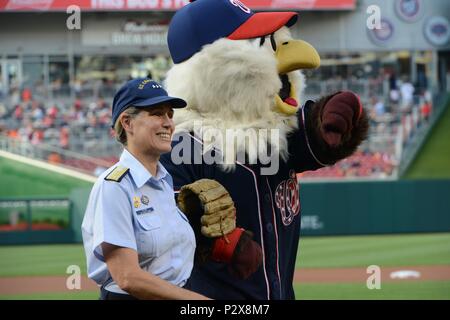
x,y
204,21
142,92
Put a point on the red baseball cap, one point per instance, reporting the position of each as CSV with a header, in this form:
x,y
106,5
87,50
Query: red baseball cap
x,y
263,23
204,21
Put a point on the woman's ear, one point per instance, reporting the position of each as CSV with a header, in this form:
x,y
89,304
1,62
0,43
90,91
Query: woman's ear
x,y
125,120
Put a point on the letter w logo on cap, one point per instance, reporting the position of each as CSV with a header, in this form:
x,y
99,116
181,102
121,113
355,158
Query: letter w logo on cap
x,y
240,5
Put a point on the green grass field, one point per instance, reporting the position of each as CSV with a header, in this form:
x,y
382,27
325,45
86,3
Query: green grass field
x,y
423,290
68,295
40,260
315,252
382,250
433,161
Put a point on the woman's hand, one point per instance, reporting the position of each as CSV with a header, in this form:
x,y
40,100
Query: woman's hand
x,y
124,268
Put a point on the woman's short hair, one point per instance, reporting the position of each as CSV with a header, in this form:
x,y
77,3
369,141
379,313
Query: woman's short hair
x,y
120,133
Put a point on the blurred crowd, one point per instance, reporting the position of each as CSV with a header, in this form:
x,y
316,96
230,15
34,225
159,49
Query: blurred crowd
x,y
406,109
39,122
81,126
394,120
360,164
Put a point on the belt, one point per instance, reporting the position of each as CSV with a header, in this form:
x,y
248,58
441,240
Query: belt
x,y
108,295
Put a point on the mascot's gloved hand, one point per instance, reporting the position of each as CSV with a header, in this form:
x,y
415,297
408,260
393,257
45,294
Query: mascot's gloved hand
x,y
213,202
231,245
243,255
338,117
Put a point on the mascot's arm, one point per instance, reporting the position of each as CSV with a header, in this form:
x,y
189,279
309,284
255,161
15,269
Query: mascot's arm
x,y
332,128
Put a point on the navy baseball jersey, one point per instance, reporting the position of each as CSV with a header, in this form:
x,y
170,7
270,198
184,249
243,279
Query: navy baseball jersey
x,y
267,205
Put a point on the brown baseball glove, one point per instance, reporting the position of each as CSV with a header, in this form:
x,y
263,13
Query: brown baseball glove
x,y
209,196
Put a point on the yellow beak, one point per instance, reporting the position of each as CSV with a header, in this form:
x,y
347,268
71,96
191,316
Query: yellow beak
x,y
293,55
296,54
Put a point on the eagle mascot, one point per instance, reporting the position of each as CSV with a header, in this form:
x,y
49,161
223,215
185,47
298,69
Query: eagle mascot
x,y
243,136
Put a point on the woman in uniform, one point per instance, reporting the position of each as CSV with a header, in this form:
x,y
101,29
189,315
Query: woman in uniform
x,y
138,244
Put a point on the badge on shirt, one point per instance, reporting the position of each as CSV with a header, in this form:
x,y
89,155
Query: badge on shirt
x,y
144,199
136,202
146,210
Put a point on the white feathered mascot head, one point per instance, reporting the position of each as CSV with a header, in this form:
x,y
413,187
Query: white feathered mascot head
x,y
237,70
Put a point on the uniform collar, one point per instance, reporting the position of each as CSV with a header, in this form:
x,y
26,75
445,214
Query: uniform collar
x,y
139,173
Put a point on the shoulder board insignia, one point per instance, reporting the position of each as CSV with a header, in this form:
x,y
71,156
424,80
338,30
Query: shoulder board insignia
x,y
117,174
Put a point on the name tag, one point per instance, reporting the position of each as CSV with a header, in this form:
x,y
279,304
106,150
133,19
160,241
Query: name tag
x,y
143,211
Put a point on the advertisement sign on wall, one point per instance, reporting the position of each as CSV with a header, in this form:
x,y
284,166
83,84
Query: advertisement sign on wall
x,y
437,30
382,36
166,5
409,10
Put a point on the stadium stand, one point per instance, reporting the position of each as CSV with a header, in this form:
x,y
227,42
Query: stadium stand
x,y
73,127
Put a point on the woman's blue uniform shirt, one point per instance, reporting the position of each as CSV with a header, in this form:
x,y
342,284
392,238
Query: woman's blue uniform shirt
x,y
130,208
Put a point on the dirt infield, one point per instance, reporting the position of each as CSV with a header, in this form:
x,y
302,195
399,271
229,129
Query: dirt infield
x,y
25,285
336,275
29,285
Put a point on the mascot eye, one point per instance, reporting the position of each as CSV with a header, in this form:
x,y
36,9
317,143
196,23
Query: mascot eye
x,y
272,42
262,40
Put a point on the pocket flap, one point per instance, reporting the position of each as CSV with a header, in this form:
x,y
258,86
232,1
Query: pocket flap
x,y
149,221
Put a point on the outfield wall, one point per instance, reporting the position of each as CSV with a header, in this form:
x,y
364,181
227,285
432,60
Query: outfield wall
x,y
331,208
343,208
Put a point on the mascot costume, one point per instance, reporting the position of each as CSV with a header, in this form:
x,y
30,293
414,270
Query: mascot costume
x,y
244,135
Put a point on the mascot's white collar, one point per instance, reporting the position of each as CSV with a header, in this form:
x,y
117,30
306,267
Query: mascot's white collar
x,y
231,85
